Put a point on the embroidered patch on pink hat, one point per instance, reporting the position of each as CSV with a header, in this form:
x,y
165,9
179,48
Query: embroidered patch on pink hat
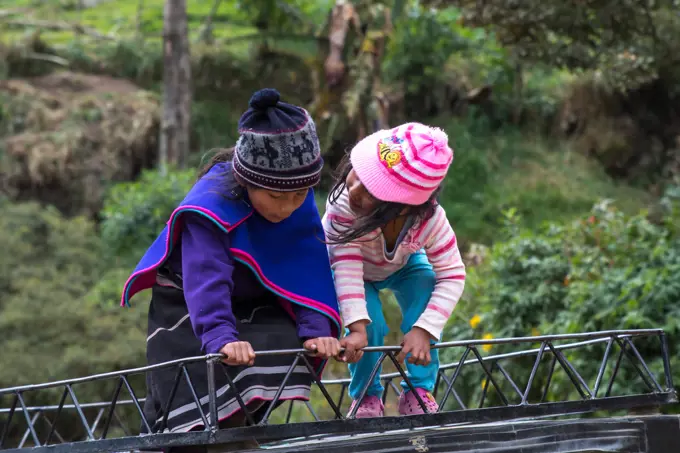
x,y
389,150
403,165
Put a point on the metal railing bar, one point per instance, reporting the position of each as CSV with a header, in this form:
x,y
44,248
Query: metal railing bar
x,y
364,390
508,378
568,370
453,391
603,367
10,411
449,344
322,387
406,379
279,391
666,361
551,371
53,427
496,357
532,375
455,375
615,371
237,394
28,430
622,338
489,376
28,419
637,355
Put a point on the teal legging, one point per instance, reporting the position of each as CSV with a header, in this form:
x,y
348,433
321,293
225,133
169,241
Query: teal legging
x,y
412,286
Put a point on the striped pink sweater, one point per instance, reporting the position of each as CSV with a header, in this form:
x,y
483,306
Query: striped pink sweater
x,y
365,260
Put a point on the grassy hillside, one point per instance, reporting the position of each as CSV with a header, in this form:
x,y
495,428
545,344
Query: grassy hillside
x,y
119,17
232,25
542,180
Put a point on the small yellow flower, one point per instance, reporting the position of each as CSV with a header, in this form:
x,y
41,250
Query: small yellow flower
x,y
535,332
367,46
487,347
475,320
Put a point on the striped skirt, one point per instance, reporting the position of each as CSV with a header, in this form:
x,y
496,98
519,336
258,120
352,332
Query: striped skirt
x,y
263,323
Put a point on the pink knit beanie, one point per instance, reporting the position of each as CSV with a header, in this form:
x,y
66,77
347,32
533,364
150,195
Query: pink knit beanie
x,y
403,165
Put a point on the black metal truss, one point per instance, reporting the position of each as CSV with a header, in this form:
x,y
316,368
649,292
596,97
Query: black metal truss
x,y
41,430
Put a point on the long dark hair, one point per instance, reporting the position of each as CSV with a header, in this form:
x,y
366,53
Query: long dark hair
x,y
230,187
384,213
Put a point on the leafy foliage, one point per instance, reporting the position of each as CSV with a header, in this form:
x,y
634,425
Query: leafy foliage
x,y
440,59
40,235
422,42
630,42
48,263
285,16
670,205
135,212
603,271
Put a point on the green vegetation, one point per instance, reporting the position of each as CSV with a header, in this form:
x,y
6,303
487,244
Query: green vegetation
x,y
49,263
543,180
602,271
628,43
135,212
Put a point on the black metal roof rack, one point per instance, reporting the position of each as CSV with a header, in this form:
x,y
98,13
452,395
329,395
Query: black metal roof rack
x,y
35,427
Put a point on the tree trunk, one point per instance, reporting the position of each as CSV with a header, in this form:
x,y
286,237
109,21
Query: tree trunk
x,y
174,139
341,15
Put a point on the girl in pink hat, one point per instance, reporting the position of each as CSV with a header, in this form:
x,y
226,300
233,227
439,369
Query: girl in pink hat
x,y
386,230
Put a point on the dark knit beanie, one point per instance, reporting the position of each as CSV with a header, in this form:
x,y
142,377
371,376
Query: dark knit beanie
x,y
278,148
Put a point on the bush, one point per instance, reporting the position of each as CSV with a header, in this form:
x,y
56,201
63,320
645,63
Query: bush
x,y
604,271
48,332
135,212
39,245
423,41
439,61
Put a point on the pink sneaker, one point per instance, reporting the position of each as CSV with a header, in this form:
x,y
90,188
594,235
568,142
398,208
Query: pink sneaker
x,y
408,404
371,406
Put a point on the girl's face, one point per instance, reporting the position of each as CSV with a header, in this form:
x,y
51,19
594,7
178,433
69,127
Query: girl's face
x,y
360,200
275,206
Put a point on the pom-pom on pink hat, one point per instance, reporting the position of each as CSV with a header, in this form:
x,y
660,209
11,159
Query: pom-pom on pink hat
x,y
403,165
